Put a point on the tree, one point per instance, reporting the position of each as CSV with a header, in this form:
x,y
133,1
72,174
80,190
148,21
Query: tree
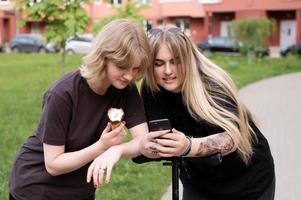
x,y
62,19
253,33
129,10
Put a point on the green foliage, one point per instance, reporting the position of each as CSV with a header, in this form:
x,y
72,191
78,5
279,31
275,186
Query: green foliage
x,y
253,33
62,19
294,50
129,10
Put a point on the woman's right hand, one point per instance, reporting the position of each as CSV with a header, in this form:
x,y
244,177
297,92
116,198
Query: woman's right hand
x,y
111,137
102,166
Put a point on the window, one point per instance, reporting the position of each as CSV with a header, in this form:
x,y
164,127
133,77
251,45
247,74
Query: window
x,y
184,24
4,1
224,28
32,2
29,40
218,41
168,1
115,2
85,39
210,1
160,21
144,2
35,28
22,40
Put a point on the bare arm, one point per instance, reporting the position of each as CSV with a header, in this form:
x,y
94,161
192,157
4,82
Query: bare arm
x,y
58,162
176,144
110,157
131,149
217,143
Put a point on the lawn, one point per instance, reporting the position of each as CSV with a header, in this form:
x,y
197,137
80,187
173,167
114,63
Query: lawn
x,y
24,78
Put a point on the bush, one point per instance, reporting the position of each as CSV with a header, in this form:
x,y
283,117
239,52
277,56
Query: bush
x,y
254,34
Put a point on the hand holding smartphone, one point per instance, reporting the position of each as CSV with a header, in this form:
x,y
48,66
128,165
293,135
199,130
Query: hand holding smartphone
x,y
154,125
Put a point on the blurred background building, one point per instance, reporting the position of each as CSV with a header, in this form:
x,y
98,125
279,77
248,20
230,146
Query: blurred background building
x,y
200,19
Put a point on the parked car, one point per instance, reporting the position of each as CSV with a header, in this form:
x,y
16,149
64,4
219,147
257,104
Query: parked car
x,y
79,44
52,47
220,44
293,49
28,43
227,45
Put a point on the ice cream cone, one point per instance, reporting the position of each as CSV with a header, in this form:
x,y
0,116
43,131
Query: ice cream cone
x,y
115,116
115,124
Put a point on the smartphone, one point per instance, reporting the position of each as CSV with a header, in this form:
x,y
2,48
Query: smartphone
x,y
159,125
154,125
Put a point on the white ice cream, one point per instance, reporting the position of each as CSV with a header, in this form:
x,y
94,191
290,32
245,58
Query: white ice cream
x,y
115,114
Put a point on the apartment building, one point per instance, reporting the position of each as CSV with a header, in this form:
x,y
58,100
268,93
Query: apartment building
x,y
287,14
7,21
187,14
199,18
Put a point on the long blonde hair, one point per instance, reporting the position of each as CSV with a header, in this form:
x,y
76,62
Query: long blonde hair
x,y
122,42
207,90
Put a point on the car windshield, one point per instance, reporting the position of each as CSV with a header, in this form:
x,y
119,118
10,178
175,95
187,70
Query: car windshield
x,y
217,41
81,39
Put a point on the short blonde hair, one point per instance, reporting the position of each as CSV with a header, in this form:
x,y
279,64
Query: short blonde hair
x,y
122,42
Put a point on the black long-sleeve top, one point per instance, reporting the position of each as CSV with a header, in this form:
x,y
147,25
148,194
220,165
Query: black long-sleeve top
x,y
230,180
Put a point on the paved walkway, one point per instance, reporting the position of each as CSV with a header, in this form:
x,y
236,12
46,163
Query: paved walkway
x,y
276,103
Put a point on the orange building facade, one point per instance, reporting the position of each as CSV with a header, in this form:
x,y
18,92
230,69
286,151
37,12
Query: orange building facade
x,y
199,18
7,22
287,14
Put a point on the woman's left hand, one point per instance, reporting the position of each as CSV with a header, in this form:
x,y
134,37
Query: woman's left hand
x,y
172,144
101,167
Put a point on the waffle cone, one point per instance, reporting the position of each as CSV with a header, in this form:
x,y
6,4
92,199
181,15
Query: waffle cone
x,y
115,125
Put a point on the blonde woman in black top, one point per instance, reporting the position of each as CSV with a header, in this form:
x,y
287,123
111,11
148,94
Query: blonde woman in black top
x,y
74,128
201,102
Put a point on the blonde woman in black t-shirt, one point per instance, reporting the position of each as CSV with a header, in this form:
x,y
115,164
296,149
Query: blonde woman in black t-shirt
x,y
74,128
201,102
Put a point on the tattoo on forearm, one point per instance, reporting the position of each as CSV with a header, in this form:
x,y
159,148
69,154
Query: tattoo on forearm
x,y
221,142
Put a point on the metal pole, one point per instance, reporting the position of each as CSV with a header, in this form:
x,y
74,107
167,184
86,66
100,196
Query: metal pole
x,y
175,163
175,179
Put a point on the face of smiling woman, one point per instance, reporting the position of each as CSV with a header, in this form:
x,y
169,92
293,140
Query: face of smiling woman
x,y
165,70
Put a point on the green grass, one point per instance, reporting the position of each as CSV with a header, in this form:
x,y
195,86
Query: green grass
x,y
245,73
25,77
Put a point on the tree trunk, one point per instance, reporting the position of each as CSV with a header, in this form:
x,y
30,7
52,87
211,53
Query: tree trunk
x,y
251,57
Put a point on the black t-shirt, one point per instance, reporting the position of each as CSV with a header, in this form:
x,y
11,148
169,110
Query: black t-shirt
x,y
74,116
232,179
